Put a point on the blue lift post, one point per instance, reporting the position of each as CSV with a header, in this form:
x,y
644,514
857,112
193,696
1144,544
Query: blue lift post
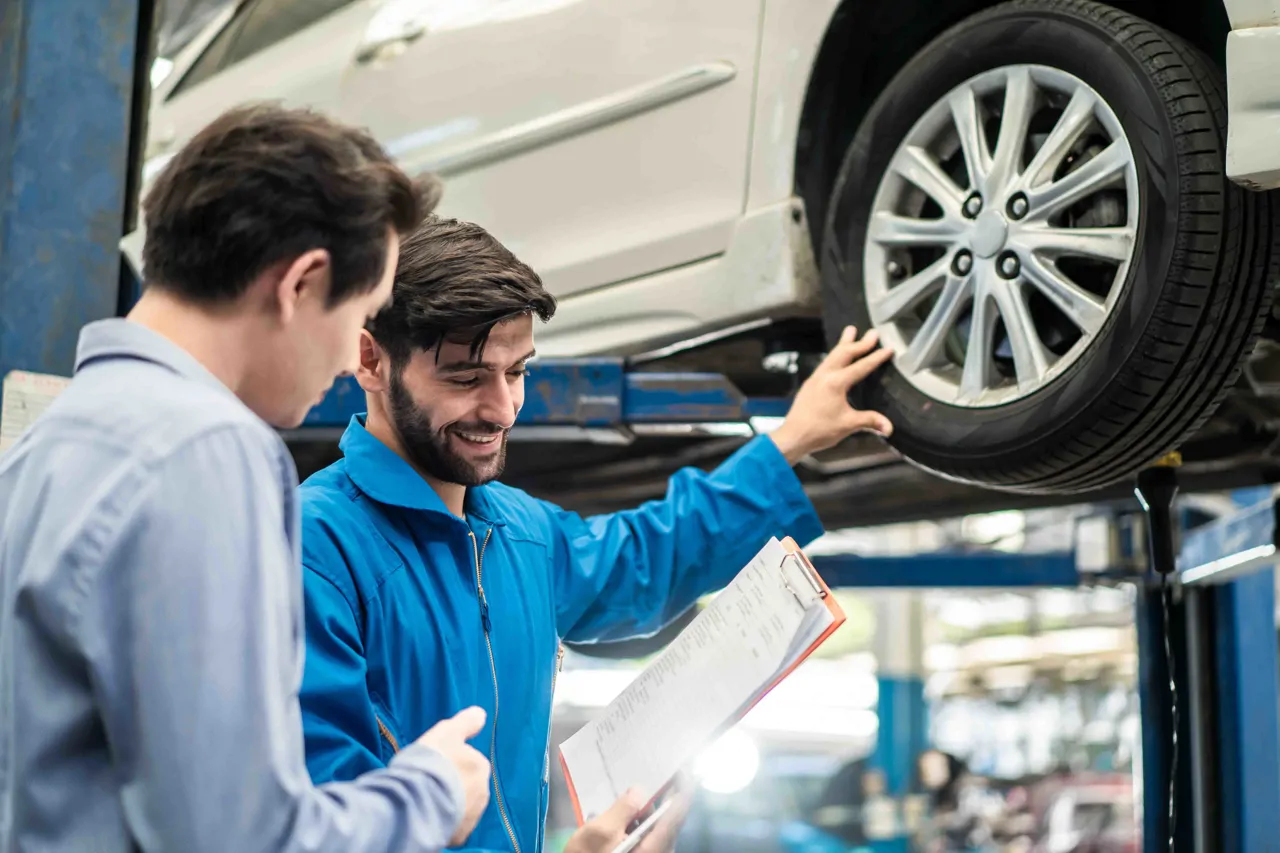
x,y
67,92
1227,572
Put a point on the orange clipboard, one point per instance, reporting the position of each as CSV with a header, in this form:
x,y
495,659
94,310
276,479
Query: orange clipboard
x,y
838,619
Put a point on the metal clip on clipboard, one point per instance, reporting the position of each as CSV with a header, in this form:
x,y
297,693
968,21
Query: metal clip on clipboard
x,y
808,574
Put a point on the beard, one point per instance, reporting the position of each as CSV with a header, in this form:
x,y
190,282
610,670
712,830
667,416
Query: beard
x,y
429,448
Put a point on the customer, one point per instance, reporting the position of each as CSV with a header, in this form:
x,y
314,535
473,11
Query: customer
x,y
430,587
150,595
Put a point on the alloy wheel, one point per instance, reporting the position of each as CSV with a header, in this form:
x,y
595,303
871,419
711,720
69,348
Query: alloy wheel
x,y
1001,235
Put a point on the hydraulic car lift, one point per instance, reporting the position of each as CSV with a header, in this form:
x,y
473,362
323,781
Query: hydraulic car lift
x,y
73,92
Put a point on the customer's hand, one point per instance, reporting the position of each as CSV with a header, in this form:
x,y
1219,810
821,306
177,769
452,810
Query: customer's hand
x,y
663,837
820,415
610,829
450,737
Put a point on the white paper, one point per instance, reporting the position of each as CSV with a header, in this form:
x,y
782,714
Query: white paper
x,y
740,643
25,397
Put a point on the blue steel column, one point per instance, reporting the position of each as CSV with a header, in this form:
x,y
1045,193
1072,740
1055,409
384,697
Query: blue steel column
x,y
1248,689
66,93
903,726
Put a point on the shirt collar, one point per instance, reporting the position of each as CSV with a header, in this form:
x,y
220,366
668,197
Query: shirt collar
x,y
383,475
121,338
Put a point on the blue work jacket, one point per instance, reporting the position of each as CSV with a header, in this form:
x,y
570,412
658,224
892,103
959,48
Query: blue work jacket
x,y
413,613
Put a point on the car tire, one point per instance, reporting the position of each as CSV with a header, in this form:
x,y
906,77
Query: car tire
x,y
1156,348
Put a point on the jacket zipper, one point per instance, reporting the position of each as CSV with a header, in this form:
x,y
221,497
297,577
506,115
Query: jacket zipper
x,y
555,676
546,755
493,736
386,733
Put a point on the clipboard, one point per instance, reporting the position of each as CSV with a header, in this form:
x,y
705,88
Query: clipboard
x,y
829,600
818,592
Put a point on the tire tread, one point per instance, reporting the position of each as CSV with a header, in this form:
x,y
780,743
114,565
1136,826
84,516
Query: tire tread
x,y
1217,294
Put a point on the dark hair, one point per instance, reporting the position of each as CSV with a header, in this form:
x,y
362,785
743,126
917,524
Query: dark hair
x,y
262,184
455,282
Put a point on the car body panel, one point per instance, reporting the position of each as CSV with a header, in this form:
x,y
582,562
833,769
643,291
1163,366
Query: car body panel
x,y
1253,110
629,189
638,153
304,68
791,36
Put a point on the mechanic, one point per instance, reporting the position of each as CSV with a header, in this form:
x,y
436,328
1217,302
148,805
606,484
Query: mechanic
x,y
151,596
430,587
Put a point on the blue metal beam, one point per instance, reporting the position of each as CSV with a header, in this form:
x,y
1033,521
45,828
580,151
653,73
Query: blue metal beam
x,y
66,87
598,392
943,569
692,398
1239,544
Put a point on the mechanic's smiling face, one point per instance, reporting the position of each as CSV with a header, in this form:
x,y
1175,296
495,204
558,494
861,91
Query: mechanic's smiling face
x,y
452,409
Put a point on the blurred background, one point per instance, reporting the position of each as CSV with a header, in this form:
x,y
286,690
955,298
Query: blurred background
x,y
669,169
1031,737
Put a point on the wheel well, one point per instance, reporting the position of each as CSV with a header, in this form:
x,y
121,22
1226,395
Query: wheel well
x,y
866,43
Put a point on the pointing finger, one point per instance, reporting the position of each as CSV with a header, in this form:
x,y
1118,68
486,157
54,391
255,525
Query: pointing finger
x,y
466,724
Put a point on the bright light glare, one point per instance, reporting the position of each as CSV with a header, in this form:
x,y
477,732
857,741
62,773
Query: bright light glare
x,y
763,424
592,688
160,70
729,764
1003,531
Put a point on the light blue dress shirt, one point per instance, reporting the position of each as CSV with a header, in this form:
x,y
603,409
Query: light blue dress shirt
x,y
151,642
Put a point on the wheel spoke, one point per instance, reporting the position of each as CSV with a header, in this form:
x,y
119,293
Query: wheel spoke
x,y
905,295
973,141
1029,360
1104,170
1073,122
978,356
1107,244
914,164
888,229
1087,311
1000,204
1019,100
929,341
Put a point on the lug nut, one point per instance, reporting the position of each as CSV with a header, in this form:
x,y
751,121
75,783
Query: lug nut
x,y
1018,206
1009,265
894,269
973,205
963,263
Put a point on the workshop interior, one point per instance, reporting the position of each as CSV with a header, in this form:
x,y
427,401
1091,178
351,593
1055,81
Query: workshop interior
x,y
1059,572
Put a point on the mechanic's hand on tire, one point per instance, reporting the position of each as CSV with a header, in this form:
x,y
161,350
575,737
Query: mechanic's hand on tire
x,y
449,737
820,416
